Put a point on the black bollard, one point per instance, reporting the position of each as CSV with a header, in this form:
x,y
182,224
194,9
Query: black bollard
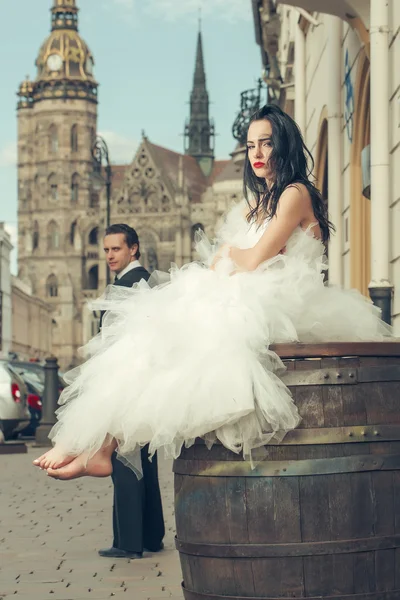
x,y
382,298
50,399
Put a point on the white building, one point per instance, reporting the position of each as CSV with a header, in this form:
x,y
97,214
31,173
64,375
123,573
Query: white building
x,y
5,292
337,71
25,320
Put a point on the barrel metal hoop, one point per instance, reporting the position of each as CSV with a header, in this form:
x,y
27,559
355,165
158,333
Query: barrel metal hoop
x,y
320,377
391,595
378,374
290,549
342,376
341,435
288,468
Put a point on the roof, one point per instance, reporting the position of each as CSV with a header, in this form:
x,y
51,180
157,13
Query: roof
x,y
118,173
231,172
168,161
218,167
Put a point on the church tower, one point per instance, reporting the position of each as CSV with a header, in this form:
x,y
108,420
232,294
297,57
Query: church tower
x,y
199,130
57,213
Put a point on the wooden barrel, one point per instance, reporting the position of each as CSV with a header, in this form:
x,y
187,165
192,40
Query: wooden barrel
x,y
320,517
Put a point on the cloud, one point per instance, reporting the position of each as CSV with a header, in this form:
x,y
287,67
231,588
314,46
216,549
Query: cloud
x,y
8,155
226,10
124,9
121,149
174,10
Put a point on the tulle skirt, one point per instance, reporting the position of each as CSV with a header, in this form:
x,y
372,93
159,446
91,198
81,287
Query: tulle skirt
x,y
190,357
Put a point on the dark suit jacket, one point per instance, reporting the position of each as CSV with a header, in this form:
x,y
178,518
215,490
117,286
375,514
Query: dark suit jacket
x,y
131,277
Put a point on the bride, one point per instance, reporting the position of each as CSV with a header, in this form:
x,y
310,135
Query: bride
x,y
190,358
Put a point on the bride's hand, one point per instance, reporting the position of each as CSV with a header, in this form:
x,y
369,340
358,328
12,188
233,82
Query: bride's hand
x,y
223,252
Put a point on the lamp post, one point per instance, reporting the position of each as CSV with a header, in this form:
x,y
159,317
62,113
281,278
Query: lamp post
x,y
100,154
250,101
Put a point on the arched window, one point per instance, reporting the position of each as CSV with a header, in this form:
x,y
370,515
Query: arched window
x,y
53,139
92,136
36,190
152,260
148,250
93,278
72,233
94,200
35,236
53,236
52,286
75,188
74,138
195,228
94,236
53,187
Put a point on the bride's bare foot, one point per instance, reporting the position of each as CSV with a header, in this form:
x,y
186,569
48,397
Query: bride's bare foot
x,y
54,459
97,466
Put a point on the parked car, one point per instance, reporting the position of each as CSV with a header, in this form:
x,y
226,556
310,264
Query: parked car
x,y
35,402
36,372
14,412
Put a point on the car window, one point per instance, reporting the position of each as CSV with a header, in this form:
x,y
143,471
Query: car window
x,y
34,386
34,373
4,374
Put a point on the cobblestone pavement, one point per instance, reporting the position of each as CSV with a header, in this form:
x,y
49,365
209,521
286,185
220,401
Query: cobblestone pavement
x,y
50,532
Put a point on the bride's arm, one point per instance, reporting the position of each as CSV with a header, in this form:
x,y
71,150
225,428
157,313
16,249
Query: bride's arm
x,y
293,207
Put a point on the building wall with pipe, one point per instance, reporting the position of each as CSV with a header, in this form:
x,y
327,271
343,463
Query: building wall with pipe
x,y
325,63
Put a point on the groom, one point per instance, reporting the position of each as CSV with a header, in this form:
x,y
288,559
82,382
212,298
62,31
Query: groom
x,y
138,521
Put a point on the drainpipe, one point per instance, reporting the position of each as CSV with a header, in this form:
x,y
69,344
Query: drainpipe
x,y
334,27
300,79
380,288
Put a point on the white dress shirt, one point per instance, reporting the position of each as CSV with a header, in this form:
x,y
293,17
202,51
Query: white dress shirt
x,y
132,265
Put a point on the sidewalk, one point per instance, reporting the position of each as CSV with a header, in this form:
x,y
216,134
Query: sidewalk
x,y
50,532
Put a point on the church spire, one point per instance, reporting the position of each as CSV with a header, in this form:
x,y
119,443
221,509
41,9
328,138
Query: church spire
x,y
199,78
199,130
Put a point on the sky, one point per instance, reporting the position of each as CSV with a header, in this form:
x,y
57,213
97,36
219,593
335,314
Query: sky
x,y
144,53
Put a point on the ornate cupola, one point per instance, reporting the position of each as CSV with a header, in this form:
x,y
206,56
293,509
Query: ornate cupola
x,y
199,130
64,15
25,93
64,63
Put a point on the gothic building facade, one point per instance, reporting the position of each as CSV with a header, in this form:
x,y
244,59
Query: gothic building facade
x,y
164,195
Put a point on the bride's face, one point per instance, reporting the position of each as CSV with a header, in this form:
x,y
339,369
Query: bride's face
x,y
259,147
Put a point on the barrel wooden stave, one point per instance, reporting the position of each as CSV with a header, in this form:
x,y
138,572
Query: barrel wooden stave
x,y
243,511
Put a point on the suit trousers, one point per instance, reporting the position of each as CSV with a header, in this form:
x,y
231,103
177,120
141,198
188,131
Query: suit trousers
x,y
138,520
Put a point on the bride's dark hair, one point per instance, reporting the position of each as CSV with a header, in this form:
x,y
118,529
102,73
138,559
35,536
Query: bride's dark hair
x,y
292,163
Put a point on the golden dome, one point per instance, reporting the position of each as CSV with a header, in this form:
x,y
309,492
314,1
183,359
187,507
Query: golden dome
x,y
65,63
64,55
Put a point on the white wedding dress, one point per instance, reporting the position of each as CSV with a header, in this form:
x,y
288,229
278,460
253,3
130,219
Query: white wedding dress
x,y
190,358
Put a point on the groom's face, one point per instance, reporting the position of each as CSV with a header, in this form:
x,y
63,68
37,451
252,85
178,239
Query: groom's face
x,y
117,252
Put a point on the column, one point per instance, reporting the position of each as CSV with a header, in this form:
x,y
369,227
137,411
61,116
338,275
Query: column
x,y
178,247
300,79
334,29
380,287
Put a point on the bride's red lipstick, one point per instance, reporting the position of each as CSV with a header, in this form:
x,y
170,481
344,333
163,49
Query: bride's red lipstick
x,y
258,165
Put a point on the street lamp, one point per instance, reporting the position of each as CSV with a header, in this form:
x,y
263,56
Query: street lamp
x,y
100,155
